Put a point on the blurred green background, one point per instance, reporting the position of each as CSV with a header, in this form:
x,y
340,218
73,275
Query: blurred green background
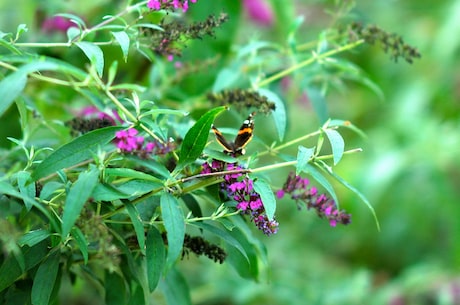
x,y
409,169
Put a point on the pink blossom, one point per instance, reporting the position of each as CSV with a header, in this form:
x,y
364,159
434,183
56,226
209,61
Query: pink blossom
x,y
57,24
259,11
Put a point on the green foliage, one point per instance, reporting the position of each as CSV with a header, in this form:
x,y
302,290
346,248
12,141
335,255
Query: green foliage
x,y
115,183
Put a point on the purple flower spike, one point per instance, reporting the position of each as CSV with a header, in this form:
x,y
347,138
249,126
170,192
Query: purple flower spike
x,y
240,188
325,207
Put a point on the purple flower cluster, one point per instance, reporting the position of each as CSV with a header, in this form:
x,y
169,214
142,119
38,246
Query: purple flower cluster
x,y
175,4
240,188
93,112
127,141
57,24
325,207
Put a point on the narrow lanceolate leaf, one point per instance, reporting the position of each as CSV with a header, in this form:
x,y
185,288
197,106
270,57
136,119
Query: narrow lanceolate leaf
x,y
266,194
80,149
12,85
279,114
223,235
318,101
311,170
226,78
304,155
174,223
94,54
115,289
25,187
137,224
10,269
337,144
123,40
354,190
81,242
45,279
6,188
196,138
175,289
10,88
79,193
32,238
74,18
155,254
130,173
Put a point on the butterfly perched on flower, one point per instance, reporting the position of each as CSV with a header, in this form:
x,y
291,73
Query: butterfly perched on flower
x,y
244,136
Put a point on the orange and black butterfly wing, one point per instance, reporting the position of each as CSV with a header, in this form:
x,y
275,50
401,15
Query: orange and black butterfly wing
x,y
244,134
228,147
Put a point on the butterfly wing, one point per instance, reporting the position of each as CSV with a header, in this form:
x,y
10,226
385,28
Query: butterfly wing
x,y
244,134
228,147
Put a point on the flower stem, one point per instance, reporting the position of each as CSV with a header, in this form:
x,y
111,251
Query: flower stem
x,y
307,62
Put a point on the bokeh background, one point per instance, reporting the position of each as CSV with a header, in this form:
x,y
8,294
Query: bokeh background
x,y
409,168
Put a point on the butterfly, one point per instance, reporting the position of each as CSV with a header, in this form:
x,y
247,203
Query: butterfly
x,y
244,136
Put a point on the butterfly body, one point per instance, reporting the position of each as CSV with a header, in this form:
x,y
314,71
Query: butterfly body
x,y
244,136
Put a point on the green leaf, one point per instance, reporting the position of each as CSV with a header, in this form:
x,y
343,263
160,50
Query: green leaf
x,y
155,253
21,29
32,238
156,167
73,32
337,144
293,29
226,78
246,265
138,187
175,289
72,153
74,18
148,25
137,224
158,111
94,54
45,279
49,189
10,270
11,87
128,87
174,223
353,189
104,192
279,114
219,154
222,234
6,188
137,295
311,170
192,204
196,138
254,47
303,157
79,193
25,187
268,198
7,45
115,289
123,40
81,242
319,103
112,73
349,125
130,173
